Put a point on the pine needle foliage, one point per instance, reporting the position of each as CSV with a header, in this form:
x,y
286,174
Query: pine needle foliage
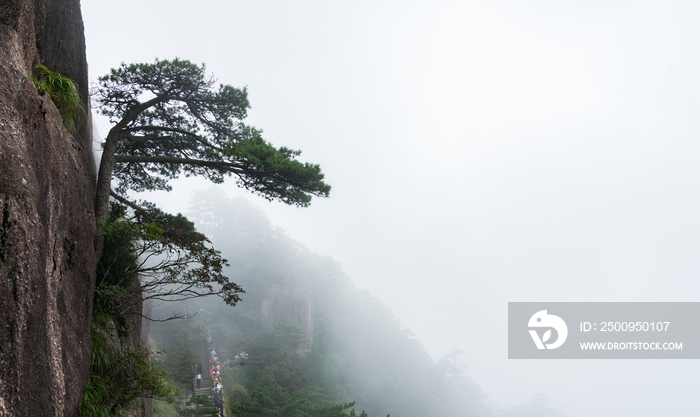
x,y
171,118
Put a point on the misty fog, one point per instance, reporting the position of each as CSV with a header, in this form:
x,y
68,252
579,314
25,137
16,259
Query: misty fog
x,y
479,152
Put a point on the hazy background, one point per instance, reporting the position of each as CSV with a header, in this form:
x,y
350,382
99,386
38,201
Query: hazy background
x,y
480,152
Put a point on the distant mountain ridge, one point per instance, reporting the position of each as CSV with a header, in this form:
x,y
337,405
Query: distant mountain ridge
x,y
347,346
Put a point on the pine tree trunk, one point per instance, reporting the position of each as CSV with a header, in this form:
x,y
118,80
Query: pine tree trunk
x,y
104,186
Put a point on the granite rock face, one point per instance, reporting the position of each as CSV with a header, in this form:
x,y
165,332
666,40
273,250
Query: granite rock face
x,y
287,303
47,225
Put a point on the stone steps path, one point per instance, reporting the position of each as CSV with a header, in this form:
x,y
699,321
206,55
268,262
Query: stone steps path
x,y
205,386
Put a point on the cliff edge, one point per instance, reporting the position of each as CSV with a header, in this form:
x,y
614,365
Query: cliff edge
x,y
47,225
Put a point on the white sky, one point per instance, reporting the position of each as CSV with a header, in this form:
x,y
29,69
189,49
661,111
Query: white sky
x,y
480,152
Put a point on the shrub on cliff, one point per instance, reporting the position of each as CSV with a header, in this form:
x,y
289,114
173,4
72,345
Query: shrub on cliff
x,y
64,93
120,376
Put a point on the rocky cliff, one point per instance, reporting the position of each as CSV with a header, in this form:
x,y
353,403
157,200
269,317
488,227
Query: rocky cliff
x,y
289,303
47,225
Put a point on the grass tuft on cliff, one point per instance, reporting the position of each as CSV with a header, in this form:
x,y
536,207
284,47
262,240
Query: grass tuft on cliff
x,y
64,93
